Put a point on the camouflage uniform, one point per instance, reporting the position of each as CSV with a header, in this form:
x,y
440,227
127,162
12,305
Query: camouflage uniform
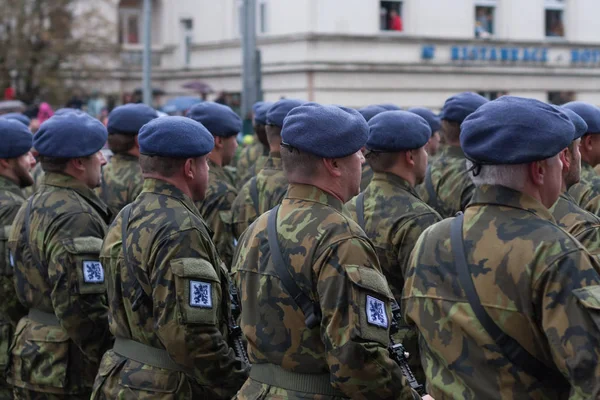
x,y
171,254
271,184
586,194
367,176
451,184
583,225
216,210
251,160
537,283
38,176
587,172
11,311
57,347
335,263
121,182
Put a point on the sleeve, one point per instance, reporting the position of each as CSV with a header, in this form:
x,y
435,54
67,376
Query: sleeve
x,y
407,237
242,213
356,315
218,217
76,277
191,304
567,301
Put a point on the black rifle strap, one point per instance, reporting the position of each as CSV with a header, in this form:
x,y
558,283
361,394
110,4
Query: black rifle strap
x,y
139,291
360,210
34,255
254,195
511,349
312,311
433,197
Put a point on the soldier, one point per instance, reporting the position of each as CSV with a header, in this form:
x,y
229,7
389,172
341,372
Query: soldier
x,y
582,224
389,210
254,157
317,313
168,292
16,163
367,172
122,178
435,124
55,244
506,302
22,118
447,188
215,208
267,188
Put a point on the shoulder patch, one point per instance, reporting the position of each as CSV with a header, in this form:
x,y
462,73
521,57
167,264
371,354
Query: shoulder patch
x,y
200,294
376,313
93,272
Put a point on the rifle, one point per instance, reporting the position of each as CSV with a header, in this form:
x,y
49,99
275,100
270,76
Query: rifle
x,y
398,352
235,332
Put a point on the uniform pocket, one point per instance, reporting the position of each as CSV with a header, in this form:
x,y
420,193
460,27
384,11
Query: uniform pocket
x,y
85,254
144,380
589,298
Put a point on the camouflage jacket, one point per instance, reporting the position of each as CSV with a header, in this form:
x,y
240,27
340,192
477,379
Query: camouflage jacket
x,y
452,186
582,224
216,210
184,307
586,194
271,184
121,182
57,271
537,283
587,172
335,264
38,177
366,177
252,159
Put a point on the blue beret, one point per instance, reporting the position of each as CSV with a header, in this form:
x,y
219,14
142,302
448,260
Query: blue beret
x,y
433,120
390,107
280,110
260,115
22,118
369,112
70,135
580,126
220,120
397,131
16,138
67,110
460,106
589,112
515,130
128,119
325,131
176,137
256,106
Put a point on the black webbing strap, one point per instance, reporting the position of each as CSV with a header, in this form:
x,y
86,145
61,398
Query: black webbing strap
x,y
312,311
139,291
513,351
254,194
360,210
433,198
34,255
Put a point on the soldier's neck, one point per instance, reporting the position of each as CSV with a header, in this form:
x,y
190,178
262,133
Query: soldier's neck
x,y
216,158
177,181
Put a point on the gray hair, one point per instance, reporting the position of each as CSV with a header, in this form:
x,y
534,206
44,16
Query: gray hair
x,y
511,176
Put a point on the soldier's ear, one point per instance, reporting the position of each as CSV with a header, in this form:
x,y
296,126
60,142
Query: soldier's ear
x,y
188,169
4,163
566,158
409,157
332,165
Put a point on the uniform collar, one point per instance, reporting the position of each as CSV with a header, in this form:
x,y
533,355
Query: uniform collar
x,y
216,169
124,157
274,162
68,182
503,196
453,152
585,167
6,185
566,196
298,191
157,186
395,181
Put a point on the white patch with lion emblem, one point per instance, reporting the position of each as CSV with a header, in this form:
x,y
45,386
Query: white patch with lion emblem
x,y
93,272
376,314
200,294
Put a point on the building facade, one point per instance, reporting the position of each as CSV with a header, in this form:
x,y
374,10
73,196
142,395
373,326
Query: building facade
x,y
358,52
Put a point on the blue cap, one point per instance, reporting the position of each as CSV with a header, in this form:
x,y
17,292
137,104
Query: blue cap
x,y
67,110
390,107
432,119
325,131
278,111
515,130
220,120
256,105
460,106
580,126
176,137
589,112
16,138
393,131
128,119
369,112
22,118
260,115
70,135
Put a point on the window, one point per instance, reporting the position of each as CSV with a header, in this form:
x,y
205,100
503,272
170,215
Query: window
x,y
554,18
130,27
484,21
187,28
390,16
262,17
560,98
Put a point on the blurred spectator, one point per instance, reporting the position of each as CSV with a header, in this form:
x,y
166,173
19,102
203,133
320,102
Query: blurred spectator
x,y
484,22
45,112
75,102
9,93
95,104
395,21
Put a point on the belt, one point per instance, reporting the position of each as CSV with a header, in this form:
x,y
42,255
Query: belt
x,y
274,375
145,354
43,317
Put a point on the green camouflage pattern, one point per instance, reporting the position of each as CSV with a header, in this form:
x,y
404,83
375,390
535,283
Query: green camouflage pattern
x,y
24,394
536,282
581,224
122,182
216,210
450,181
366,177
394,219
334,263
586,192
271,185
587,172
252,159
169,248
11,311
38,176
67,224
